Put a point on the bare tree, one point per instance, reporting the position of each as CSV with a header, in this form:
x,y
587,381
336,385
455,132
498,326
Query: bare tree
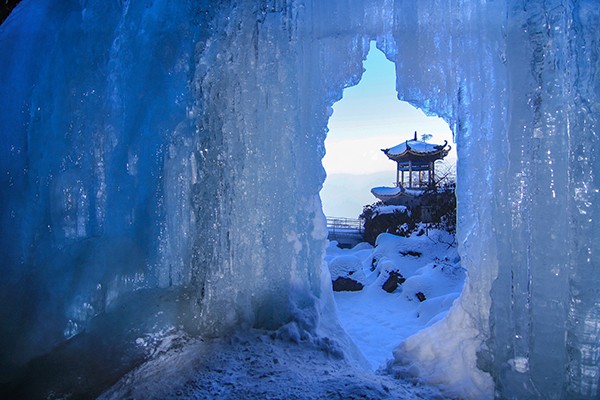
x,y
445,173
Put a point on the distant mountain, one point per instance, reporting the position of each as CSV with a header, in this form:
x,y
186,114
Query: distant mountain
x,y
344,195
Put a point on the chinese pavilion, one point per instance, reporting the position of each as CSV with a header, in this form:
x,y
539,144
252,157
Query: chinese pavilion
x,y
415,160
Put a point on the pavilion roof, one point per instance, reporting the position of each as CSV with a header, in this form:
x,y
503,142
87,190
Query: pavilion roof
x,y
414,148
385,193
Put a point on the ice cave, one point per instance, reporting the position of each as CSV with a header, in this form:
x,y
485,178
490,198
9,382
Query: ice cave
x,y
160,172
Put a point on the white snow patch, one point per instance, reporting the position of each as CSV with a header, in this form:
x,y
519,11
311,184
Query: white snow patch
x,y
445,355
382,209
347,265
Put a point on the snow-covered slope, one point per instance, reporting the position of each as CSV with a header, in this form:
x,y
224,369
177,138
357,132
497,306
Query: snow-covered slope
x,y
259,365
379,321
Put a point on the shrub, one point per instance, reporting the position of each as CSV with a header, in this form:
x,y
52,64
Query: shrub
x,y
398,223
441,205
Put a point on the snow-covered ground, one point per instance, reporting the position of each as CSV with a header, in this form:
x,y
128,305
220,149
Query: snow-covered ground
x,y
379,321
293,364
258,365
137,335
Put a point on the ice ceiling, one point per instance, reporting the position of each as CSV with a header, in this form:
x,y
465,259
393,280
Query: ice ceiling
x,y
159,144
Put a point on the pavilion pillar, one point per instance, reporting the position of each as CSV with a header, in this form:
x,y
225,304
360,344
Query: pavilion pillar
x,y
398,174
410,174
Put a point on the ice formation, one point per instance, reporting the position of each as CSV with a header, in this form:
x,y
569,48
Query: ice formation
x,y
156,144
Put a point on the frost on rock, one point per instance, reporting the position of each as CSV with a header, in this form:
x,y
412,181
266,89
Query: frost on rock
x,y
167,144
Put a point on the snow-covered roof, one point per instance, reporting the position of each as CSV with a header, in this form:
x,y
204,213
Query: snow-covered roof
x,y
388,192
385,193
417,148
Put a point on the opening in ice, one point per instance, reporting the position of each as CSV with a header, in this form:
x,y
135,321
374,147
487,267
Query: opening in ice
x,y
368,118
396,270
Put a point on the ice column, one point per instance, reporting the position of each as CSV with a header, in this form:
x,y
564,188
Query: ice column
x,y
160,145
516,81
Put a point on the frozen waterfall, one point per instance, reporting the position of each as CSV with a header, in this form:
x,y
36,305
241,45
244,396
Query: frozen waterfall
x,y
159,150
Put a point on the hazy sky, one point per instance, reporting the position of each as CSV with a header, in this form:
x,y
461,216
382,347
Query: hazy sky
x,y
367,119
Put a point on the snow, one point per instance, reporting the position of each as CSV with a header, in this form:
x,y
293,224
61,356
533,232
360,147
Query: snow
x,y
387,191
437,355
383,209
258,365
414,192
378,321
346,265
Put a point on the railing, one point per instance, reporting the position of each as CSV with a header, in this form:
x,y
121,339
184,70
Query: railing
x,y
344,224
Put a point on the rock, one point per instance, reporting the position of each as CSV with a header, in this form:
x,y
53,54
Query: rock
x,y
373,264
342,284
421,296
411,253
393,281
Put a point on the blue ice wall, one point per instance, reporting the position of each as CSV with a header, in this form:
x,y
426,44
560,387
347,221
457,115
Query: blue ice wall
x,y
517,82
161,145
90,96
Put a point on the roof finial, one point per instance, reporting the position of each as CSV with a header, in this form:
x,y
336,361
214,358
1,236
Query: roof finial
x,y
415,135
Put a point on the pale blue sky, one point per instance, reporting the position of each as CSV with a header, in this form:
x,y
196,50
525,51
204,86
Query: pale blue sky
x,y
367,119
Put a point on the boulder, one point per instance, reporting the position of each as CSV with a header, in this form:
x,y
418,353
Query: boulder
x,y
393,281
343,284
